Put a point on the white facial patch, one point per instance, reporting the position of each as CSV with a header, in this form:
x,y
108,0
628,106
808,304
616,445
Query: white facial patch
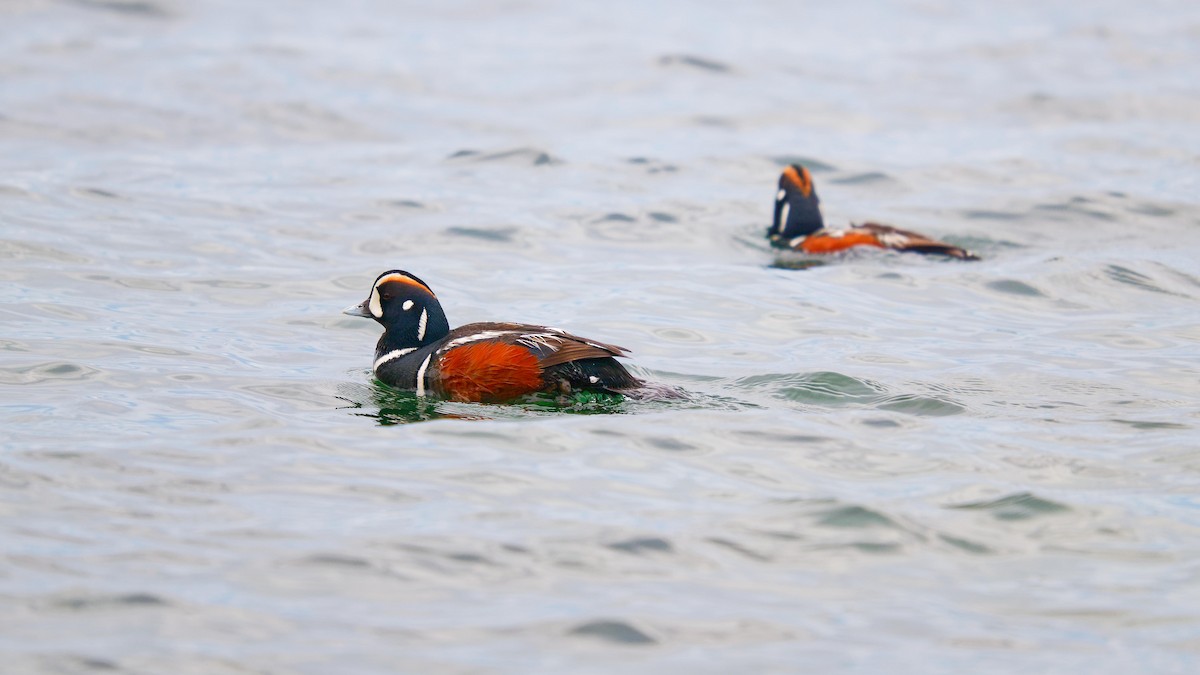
x,y
421,324
780,195
374,306
421,376
407,305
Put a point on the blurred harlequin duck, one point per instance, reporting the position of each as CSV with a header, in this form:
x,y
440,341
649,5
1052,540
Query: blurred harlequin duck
x,y
799,226
479,362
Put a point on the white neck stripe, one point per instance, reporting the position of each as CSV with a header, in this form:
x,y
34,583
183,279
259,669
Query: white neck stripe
x,y
421,375
421,325
394,354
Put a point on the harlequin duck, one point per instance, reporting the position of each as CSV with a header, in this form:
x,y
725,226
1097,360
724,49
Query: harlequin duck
x,y
479,362
799,226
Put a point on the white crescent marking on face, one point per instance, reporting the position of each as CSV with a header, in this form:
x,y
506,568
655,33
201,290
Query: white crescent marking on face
x,y
407,305
394,354
780,195
421,325
374,306
421,375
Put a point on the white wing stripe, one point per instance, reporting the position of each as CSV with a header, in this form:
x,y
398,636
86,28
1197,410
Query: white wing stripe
x,y
550,340
535,340
475,337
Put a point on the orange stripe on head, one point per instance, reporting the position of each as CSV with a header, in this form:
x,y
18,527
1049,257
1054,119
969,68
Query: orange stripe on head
x,y
402,278
393,277
799,178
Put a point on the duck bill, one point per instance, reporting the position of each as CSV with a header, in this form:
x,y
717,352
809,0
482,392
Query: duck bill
x,y
358,310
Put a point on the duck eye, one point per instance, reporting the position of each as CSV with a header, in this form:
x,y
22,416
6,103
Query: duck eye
x,y
387,296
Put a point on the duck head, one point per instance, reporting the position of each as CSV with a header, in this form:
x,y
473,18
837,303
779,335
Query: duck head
x,y
797,208
407,309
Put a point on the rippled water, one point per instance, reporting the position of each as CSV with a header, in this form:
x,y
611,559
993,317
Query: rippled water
x,y
886,463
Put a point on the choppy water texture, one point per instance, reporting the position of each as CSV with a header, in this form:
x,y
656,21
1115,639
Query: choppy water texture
x,y
887,464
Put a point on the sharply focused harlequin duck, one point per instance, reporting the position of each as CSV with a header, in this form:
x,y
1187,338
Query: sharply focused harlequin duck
x,y
479,362
798,225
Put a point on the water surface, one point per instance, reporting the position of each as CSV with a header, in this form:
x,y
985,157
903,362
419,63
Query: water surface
x,y
886,463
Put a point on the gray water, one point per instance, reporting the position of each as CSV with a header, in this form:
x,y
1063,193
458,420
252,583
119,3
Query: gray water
x,y
885,463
